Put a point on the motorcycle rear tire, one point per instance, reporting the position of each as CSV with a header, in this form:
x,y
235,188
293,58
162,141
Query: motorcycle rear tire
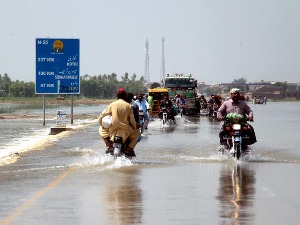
x,y
164,119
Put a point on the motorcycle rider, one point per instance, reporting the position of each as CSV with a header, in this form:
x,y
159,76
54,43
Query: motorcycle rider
x,y
150,101
213,100
123,124
203,102
166,103
135,108
143,105
180,102
235,105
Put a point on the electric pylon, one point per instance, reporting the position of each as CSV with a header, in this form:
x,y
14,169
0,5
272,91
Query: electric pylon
x,y
162,72
147,75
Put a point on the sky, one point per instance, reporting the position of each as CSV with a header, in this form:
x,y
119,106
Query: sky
x,y
216,41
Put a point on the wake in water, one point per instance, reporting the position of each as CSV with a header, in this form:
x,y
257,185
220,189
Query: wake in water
x,y
21,136
180,122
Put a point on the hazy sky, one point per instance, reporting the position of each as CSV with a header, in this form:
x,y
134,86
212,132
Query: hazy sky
x,y
214,40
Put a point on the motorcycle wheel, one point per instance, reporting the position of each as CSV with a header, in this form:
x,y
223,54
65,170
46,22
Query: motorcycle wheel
x,y
237,150
164,119
142,128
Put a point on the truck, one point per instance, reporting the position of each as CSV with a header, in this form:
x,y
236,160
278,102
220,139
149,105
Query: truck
x,y
186,86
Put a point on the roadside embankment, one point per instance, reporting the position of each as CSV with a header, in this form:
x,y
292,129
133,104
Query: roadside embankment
x,y
55,101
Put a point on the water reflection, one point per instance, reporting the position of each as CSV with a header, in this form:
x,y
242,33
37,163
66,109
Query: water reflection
x,y
124,199
236,194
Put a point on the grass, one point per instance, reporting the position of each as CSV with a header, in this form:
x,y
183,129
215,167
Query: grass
x,y
53,100
20,99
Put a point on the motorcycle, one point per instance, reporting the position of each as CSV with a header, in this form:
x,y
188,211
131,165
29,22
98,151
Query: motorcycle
x,y
142,120
213,111
181,109
118,146
166,116
236,134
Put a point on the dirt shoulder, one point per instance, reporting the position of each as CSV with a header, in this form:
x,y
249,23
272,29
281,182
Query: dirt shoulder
x,y
47,116
12,116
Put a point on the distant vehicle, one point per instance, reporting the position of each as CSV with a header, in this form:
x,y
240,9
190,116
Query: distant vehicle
x,y
184,85
157,94
259,101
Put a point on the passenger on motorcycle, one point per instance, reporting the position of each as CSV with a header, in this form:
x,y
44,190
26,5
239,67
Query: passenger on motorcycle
x,y
180,102
235,105
135,108
212,103
203,102
143,105
168,105
123,124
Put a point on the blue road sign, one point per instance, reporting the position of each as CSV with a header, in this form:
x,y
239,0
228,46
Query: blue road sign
x,y
57,66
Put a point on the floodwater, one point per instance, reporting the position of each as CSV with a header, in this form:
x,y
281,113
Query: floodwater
x,y
178,177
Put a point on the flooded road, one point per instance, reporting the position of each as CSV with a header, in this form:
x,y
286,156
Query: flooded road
x,y
178,176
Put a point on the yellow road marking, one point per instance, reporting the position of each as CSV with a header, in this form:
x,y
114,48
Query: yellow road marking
x,y
18,212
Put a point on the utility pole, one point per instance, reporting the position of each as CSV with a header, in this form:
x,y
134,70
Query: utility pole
x,y
162,72
147,75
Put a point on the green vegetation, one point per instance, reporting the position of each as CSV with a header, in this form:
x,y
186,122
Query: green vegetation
x,y
20,99
283,85
100,87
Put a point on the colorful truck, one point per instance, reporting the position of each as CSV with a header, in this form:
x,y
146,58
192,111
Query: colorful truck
x,y
186,86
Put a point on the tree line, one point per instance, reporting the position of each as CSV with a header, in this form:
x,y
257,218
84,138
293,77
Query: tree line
x,y
98,86
104,86
238,83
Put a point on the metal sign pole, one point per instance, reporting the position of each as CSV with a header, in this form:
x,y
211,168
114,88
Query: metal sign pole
x,y
44,109
71,109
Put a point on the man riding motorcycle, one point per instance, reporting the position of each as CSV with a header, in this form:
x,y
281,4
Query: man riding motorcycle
x,y
123,124
143,105
213,104
235,105
180,102
167,105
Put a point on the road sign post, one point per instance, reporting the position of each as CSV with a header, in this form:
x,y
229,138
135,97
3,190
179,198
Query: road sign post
x,y
57,67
